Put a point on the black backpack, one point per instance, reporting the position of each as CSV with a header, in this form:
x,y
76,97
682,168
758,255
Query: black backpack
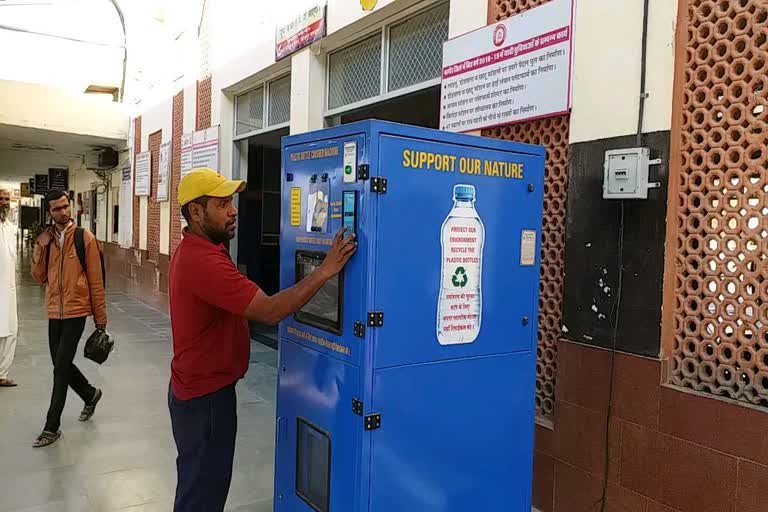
x,y
80,250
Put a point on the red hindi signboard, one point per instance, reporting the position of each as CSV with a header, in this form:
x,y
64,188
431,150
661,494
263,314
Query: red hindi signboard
x,y
301,32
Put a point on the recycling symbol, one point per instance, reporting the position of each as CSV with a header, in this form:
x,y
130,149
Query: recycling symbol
x,y
460,277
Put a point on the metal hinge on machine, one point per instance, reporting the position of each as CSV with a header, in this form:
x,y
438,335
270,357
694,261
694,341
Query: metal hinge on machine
x,y
375,318
372,421
359,330
363,172
379,185
357,406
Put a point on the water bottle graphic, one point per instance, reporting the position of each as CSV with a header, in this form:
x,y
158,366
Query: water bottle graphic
x,y
460,304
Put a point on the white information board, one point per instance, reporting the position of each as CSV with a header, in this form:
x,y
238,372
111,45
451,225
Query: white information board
x,y
205,148
143,173
186,153
512,71
125,228
163,172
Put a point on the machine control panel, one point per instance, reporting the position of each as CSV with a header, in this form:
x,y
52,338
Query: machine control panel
x,y
349,211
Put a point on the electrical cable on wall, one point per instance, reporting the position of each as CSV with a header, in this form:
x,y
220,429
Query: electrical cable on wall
x,y
616,313
121,17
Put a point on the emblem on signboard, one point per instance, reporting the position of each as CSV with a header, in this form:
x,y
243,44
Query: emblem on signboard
x,y
499,35
368,5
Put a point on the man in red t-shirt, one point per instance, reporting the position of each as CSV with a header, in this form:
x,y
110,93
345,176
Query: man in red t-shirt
x,y
211,303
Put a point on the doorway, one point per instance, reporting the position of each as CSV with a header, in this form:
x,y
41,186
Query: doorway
x,y
258,242
421,108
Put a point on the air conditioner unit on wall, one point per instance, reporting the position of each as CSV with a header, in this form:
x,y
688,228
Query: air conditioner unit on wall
x,y
108,159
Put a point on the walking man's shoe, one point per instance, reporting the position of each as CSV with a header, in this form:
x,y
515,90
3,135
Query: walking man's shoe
x,y
46,438
90,407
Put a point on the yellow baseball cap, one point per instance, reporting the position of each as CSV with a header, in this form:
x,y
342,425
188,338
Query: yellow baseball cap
x,y
204,181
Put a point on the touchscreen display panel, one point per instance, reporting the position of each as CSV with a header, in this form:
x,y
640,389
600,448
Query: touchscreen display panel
x,y
324,309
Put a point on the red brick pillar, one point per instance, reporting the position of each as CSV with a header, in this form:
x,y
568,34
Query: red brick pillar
x,y
153,220
176,132
203,112
136,201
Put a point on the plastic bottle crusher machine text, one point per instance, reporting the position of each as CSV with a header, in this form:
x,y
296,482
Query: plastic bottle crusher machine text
x,y
407,383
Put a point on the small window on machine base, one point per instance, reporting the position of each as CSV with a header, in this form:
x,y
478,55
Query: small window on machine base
x,y
313,465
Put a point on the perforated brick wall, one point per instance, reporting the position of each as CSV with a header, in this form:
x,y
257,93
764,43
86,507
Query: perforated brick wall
x,y
720,332
203,113
176,132
553,134
136,203
153,215
502,9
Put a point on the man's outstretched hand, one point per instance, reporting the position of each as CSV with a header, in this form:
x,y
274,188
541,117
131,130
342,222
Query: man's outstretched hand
x,y
341,250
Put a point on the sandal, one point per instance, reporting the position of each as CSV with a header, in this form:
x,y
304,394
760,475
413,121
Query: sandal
x,y
46,438
90,407
7,383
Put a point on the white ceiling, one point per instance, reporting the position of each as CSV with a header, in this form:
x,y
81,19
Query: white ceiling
x,y
25,152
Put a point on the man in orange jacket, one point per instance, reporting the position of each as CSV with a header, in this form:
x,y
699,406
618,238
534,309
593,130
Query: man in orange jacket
x,y
73,293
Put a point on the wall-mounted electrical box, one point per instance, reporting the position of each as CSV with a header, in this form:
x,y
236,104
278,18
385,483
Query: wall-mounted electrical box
x,y
626,173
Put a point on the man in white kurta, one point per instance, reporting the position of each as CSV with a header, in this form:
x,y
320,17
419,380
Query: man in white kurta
x,y
8,314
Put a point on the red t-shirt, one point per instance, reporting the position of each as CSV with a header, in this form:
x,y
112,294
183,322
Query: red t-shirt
x,y
211,342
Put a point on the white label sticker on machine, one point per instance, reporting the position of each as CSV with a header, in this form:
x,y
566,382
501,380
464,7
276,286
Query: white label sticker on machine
x,y
528,248
350,162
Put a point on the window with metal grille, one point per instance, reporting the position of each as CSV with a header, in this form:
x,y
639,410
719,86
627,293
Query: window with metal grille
x,y
416,48
280,101
249,111
359,74
355,73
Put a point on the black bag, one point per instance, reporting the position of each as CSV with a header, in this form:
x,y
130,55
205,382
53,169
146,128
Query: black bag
x,y
98,346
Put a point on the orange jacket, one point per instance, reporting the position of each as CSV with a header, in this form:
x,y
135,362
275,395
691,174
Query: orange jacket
x,y
71,296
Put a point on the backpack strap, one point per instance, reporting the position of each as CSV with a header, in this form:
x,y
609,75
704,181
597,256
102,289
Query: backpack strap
x,y
48,258
80,247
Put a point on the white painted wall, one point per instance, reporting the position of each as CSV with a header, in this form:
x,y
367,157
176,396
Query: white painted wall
x,y
190,98
81,180
607,53
165,226
241,56
225,118
466,16
307,91
158,117
143,225
342,13
48,108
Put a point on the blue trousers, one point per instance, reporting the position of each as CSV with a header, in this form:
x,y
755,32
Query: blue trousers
x,y
204,429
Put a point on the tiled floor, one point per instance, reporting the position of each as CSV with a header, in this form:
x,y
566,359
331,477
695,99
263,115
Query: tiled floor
x,y
124,458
